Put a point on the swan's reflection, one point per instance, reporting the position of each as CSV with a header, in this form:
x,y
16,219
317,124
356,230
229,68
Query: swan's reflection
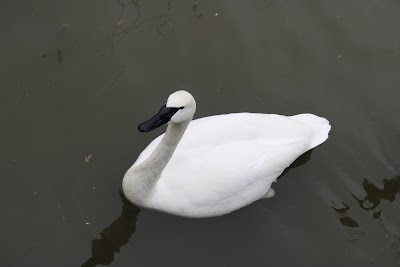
x,y
303,159
115,236
372,199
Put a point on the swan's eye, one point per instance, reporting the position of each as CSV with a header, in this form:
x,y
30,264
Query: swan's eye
x,y
181,107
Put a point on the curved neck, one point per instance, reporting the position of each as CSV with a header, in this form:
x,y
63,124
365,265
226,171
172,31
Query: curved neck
x,y
141,179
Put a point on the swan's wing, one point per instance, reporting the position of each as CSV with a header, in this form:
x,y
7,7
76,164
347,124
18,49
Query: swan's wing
x,y
226,170
230,159
237,127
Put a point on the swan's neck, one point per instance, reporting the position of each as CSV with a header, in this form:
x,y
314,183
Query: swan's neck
x,y
141,179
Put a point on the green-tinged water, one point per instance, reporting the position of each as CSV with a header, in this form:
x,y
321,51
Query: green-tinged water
x,y
78,76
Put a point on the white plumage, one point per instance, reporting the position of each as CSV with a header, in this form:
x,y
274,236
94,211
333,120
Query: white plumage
x,y
221,163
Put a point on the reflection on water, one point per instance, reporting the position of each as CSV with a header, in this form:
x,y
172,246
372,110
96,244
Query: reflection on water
x,y
344,218
114,236
371,200
121,230
303,159
348,221
374,195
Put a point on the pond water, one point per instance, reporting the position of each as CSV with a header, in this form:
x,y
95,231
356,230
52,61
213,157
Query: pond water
x,y
78,76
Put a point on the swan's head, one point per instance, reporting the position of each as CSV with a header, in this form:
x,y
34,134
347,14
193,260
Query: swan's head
x,y
180,107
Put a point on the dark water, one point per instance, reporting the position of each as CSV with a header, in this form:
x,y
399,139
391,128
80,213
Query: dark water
x,y
78,76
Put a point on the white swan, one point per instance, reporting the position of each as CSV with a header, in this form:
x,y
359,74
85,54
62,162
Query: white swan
x,y
218,164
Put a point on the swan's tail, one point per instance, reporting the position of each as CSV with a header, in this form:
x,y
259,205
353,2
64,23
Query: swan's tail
x,y
320,126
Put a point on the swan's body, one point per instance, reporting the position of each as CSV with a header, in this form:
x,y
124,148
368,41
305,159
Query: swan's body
x,y
220,163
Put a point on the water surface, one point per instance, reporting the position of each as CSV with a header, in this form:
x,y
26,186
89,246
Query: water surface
x,y
77,78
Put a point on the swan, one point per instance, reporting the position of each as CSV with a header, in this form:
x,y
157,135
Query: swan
x,y
215,165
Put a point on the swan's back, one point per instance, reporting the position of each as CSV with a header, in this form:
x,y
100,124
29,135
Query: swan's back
x,y
267,128
224,162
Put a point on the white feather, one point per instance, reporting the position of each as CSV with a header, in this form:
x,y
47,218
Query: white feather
x,y
225,162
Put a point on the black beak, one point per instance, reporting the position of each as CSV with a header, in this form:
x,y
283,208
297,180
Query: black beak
x,y
163,116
